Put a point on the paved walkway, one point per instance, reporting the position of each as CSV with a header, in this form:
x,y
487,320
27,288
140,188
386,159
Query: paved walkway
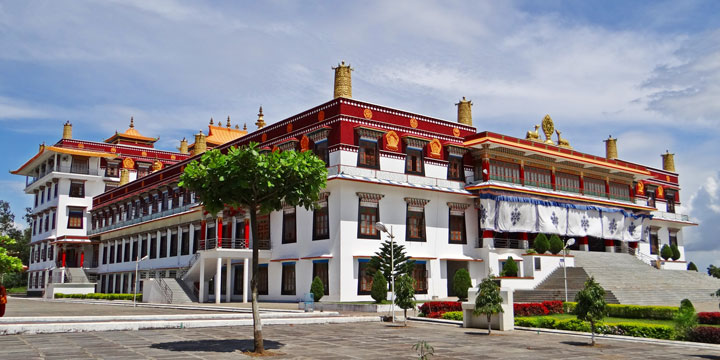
x,y
336,341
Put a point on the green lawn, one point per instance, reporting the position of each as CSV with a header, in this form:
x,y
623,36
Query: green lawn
x,y
616,320
17,290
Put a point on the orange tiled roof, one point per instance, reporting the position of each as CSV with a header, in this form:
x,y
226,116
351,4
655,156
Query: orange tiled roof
x,y
130,133
65,151
218,135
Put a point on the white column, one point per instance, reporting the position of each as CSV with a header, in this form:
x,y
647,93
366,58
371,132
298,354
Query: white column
x,y
168,238
218,279
201,291
191,237
228,280
246,286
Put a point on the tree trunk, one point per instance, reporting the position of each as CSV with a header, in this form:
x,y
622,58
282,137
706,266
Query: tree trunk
x,y
257,324
404,316
489,325
592,333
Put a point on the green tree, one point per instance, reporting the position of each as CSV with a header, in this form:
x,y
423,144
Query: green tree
x,y
382,261
666,252
405,294
675,252
379,288
591,305
8,263
714,271
21,247
244,177
461,284
685,320
317,288
510,268
488,300
692,267
556,245
541,243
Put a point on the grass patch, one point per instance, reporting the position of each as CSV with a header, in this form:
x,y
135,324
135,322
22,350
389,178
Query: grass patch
x,y
611,320
17,290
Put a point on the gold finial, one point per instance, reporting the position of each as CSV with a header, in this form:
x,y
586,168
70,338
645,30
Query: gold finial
x,y
67,130
562,142
183,146
533,135
228,122
237,127
124,177
548,128
132,122
464,112
200,143
668,161
611,148
260,123
343,81
211,121
42,147
245,126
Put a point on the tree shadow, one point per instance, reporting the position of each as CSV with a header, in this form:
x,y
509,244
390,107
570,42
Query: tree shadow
x,y
711,357
211,345
577,343
477,333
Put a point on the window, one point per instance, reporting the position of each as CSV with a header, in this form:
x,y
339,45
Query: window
x,y
143,246
455,168
47,222
419,274
42,196
567,182
185,242
320,269
126,251
173,244
594,186
49,192
654,244
672,240
153,247
51,253
163,244
365,280
670,199
504,171
538,177
368,216
650,197
196,238
135,243
263,227
36,199
80,165
56,190
240,232
53,220
238,281
112,171
75,218
368,154
321,151
415,219
457,227
321,221
263,279
620,191
414,161
289,228
77,189
537,263
288,279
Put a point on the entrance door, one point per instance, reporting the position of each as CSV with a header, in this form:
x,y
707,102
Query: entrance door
x,y
71,259
452,267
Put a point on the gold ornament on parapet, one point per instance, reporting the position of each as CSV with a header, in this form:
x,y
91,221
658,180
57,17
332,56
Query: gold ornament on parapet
x,y
264,137
367,113
113,150
392,140
128,163
456,132
562,142
548,129
304,143
321,115
289,127
435,148
413,123
533,135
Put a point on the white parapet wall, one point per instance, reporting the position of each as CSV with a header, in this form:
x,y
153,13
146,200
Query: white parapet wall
x,y
68,288
504,321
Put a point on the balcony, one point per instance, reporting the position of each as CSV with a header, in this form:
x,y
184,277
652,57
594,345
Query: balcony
x,y
142,219
73,169
662,215
228,243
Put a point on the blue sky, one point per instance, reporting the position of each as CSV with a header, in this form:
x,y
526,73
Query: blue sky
x,y
646,72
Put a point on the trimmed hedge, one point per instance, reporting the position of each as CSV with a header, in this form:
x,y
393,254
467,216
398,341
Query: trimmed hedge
x,y
99,296
709,318
634,311
535,309
705,334
453,315
435,309
625,328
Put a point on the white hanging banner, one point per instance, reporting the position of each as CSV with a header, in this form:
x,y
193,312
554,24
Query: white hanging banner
x,y
486,214
613,225
633,229
552,219
584,223
516,217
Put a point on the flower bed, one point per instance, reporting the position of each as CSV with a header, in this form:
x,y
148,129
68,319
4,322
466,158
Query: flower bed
x,y
435,309
634,311
709,318
705,334
624,328
536,309
99,296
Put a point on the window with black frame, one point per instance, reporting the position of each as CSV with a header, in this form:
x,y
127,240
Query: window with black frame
x,y
365,280
288,279
670,201
455,168
415,219
457,234
77,189
414,161
368,215
368,154
320,149
289,234
262,279
419,274
75,218
320,269
321,219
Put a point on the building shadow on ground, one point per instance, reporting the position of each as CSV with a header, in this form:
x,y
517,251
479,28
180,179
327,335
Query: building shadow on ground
x,y
210,345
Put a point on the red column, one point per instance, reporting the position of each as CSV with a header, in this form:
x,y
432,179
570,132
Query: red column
x,y
609,242
247,233
522,174
219,227
82,258
583,240
486,168
607,188
582,185
203,234
552,179
63,258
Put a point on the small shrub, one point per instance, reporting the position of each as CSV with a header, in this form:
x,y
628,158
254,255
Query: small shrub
x,y
709,318
665,252
554,306
556,245
633,311
692,267
437,308
461,284
510,268
705,334
675,252
530,309
685,320
317,288
379,288
531,251
453,315
541,243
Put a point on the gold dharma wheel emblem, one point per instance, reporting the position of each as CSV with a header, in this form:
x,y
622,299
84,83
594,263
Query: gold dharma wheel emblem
x,y
413,123
456,132
144,153
128,163
367,113
321,115
113,150
172,157
80,146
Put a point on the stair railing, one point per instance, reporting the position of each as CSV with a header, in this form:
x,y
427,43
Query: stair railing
x,y
167,293
183,271
645,257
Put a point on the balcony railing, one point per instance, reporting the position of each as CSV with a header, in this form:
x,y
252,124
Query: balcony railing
x,y
141,219
83,170
229,243
509,243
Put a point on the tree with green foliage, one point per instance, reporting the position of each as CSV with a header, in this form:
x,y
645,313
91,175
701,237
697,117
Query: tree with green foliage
x,y
382,261
317,288
713,271
541,243
692,267
666,252
510,268
21,247
556,244
675,252
685,320
379,288
405,294
461,284
8,263
245,177
591,305
488,301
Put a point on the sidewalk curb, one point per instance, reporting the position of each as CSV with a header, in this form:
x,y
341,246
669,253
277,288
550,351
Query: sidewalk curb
x,y
166,317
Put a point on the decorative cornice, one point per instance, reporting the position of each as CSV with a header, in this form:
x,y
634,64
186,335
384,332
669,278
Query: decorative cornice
x,y
364,196
458,206
416,201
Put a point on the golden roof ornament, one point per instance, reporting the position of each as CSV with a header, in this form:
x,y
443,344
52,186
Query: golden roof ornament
x,y
343,81
260,123
533,135
211,121
611,148
67,130
132,122
183,146
124,177
237,127
548,129
245,126
668,161
200,143
228,122
464,112
562,142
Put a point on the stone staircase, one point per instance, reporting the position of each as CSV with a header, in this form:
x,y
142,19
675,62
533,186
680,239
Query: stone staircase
x,y
553,287
77,275
181,292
